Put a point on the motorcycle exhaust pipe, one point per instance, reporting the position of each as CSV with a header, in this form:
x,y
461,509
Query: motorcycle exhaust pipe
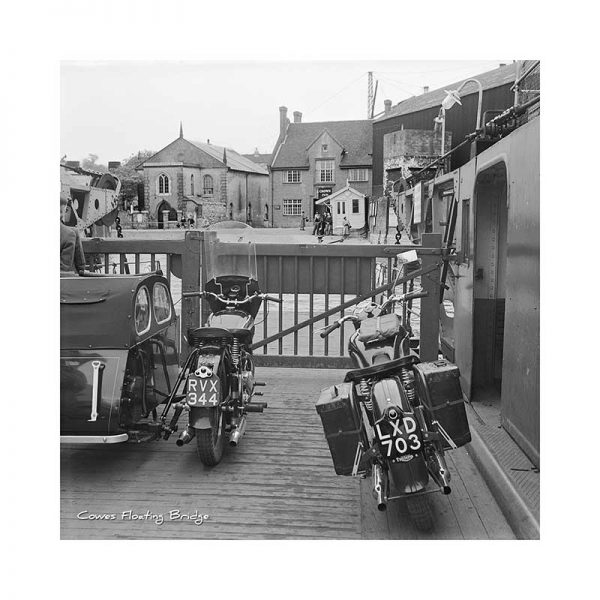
x,y
187,435
379,487
237,434
443,475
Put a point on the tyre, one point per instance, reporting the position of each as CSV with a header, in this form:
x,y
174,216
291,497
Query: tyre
x,y
210,443
420,512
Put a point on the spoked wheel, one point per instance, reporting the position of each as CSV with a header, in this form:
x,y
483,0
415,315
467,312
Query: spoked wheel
x,y
211,442
420,512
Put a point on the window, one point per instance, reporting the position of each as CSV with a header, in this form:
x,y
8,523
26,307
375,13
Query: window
x,y
142,311
191,185
358,175
291,177
292,208
161,302
163,184
324,148
355,207
325,171
341,208
208,185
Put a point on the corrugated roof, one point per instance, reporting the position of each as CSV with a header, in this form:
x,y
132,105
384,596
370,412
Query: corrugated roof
x,y
356,137
489,79
235,161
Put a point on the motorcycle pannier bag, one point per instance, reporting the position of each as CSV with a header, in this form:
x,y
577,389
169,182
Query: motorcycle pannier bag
x,y
439,388
378,329
342,426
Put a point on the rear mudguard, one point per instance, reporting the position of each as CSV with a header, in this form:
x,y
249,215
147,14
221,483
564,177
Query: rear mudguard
x,y
202,417
408,476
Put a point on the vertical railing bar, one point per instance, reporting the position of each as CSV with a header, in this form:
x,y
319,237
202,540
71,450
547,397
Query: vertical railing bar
x,y
106,260
265,304
311,306
280,341
153,262
296,286
389,276
326,350
137,263
123,264
343,282
168,267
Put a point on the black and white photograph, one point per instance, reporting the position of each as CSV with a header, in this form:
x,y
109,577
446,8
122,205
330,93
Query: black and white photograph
x,y
314,321
312,325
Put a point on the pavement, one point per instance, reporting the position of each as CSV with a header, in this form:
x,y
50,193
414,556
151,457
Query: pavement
x,y
279,483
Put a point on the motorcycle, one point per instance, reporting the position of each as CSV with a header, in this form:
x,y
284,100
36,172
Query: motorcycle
x,y
394,416
218,375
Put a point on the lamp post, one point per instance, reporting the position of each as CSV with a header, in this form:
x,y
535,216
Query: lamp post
x,y
452,98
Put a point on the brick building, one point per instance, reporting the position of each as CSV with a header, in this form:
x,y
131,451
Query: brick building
x,y
211,182
314,160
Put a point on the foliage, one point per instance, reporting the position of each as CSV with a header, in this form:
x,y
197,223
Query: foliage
x,y
130,178
91,163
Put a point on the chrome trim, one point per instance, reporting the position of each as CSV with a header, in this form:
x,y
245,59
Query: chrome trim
x,y
94,439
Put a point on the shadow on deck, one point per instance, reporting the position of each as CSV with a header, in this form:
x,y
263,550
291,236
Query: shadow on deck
x,y
278,484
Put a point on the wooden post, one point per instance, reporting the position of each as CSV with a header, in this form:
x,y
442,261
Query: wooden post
x,y
430,305
192,261
209,237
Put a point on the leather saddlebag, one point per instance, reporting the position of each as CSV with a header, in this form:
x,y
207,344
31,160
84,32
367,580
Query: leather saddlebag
x,y
342,425
439,388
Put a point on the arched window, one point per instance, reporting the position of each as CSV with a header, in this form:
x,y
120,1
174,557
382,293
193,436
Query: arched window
x,y
192,185
208,185
163,184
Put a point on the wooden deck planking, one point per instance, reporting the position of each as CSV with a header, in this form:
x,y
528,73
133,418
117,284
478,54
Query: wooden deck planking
x,y
278,484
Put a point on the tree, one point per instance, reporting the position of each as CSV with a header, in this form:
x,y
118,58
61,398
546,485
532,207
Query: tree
x,y
130,178
91,164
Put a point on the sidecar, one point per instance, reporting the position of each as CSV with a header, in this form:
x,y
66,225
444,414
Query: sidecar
x,y
118,356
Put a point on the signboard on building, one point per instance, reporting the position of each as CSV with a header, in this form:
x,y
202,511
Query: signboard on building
x,y
323,192
417,202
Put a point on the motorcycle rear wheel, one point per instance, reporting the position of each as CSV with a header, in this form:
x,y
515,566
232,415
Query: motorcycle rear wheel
x,y
420,512
210,443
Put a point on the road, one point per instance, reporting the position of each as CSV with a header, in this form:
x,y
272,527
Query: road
x,y
278,484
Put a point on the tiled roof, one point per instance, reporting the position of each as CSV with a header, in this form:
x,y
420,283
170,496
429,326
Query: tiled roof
x,y
356,137
235,161
264,159
489,79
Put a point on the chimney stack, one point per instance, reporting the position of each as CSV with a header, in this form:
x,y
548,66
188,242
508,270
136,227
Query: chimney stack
x,y
113,165
502,65
297,116
425,89
283,120
72,163
387,106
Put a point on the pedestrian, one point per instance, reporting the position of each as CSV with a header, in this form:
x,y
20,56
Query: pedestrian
x,y
72,257
328,224
347,227
317,224
302,222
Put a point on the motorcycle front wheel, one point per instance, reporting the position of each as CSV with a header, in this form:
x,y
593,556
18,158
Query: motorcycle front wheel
x,y
420,512
210,443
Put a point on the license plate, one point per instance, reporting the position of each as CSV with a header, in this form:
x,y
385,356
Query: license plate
x,y
203,391
399,438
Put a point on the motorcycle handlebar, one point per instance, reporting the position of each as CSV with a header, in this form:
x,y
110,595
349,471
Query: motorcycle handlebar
x,y
226,300
329,329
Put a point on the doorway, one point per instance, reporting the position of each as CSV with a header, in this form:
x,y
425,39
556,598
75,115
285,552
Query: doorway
x,y
489,283
163,206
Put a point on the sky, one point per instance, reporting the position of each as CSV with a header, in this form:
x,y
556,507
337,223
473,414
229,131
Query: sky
x,y
114,109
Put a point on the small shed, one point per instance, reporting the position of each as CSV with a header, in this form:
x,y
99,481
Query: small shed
x,y
346,202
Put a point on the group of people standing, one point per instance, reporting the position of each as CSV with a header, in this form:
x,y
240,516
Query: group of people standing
x,y
323,225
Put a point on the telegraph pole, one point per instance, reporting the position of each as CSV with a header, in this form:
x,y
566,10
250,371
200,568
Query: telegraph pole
x,y
370,95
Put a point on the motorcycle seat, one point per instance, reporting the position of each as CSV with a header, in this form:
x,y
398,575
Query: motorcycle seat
x,y
382,367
